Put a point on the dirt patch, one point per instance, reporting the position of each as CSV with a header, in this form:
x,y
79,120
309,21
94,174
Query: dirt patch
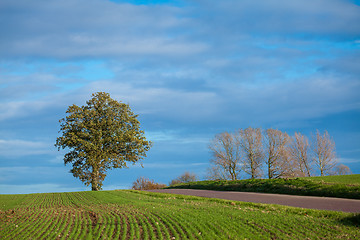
x,y
93,217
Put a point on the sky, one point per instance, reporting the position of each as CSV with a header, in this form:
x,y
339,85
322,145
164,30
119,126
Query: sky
x,y
189,68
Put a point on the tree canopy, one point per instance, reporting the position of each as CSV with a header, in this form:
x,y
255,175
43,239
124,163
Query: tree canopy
x,y
101,135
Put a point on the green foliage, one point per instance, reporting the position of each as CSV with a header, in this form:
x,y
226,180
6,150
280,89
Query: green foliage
x,y
101,135
146,215
294,186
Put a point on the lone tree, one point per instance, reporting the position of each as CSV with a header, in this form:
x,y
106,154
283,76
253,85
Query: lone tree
x,y
101,135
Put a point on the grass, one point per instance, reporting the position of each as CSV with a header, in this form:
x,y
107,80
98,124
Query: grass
x,y
332,186
144,215
353,179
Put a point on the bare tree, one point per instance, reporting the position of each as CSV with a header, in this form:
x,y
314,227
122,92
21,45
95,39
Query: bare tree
x,y
186,177
342,169
299,153
217,172
226,157
250,141
276,158
323,152
143,183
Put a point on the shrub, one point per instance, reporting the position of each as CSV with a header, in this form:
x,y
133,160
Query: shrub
x,y
143,183
184,178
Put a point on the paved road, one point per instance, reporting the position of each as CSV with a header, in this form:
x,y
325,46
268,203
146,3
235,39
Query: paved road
x,y
323,203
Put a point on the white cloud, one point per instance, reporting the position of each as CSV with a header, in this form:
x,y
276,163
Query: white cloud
x,y
117,187
186,106
79,28
295,100
176,137
349,160
335,18
172,165
36,188
94,29
20,148
18,109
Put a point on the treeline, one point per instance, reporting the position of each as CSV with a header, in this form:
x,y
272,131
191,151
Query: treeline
x,y
268,153
144,183
272,153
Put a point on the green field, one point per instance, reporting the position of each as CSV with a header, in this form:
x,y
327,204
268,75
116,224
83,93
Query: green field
x,y
142,215
331,186
353,179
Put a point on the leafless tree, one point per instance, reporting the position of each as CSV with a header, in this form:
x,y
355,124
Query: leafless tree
x,y
143,183
184,178
323,152
250,141
217,172
299,153
226,157
276,155
342,169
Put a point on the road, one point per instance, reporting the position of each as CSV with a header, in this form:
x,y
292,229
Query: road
x,y
322,203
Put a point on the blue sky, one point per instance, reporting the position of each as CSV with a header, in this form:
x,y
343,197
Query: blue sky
x,y
190,69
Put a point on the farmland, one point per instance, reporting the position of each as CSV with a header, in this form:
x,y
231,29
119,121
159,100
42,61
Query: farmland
x,y
143,215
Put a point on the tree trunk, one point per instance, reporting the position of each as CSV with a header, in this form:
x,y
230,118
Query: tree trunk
x,y
269,171
321,171
94,180
94,186
253,169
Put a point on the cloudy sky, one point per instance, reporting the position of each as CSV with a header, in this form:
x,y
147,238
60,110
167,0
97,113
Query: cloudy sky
x,y
190,69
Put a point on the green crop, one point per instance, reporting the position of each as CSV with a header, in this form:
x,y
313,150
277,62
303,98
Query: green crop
x,y
144,215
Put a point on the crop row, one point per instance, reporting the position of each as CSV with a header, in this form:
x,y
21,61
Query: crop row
x,y
109,223
140,215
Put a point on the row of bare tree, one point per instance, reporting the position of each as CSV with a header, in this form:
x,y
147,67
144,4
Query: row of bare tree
x,y
255,151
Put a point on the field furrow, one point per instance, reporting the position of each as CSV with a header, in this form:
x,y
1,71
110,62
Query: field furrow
x,y
109,224
84,225
133,229
153,221
26,228
125,227
143,226
141,215
189,228
46,223
171,226
115,225
75,228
